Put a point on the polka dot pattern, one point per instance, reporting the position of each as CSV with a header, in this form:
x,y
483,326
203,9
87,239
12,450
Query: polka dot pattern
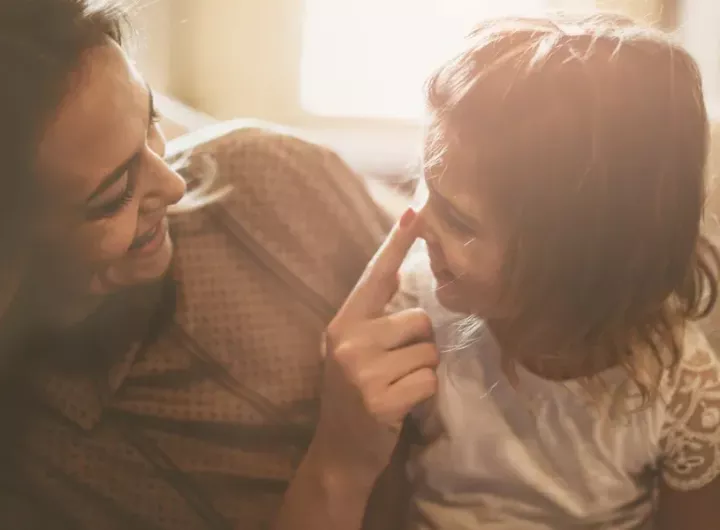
x,y
204,428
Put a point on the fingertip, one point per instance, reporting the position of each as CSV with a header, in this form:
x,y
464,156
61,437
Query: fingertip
x,y
407,218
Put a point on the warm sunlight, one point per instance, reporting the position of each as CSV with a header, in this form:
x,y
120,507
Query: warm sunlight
x,y
370,58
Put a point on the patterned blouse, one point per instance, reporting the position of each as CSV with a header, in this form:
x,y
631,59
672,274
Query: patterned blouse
x,y
200,424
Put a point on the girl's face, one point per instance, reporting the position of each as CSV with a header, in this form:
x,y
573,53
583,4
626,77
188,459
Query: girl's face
x,y
466,247
105,188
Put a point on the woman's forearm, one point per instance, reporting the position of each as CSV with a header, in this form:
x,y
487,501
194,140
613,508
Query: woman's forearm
x,y
324,495
362,409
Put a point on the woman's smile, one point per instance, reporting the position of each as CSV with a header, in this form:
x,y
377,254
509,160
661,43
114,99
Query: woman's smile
x,y
150,241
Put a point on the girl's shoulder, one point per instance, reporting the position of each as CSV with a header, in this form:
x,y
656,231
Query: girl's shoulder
x,y
697,370
690,438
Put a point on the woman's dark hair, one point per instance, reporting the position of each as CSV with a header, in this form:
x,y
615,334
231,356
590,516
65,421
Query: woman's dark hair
x,y
589,137
42,43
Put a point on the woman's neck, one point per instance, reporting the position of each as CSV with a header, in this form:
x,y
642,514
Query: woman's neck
x,y
73,312
94,331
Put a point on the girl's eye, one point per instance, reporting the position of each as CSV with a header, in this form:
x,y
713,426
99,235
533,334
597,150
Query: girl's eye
x,y
155,117
458,226
114,206
445,213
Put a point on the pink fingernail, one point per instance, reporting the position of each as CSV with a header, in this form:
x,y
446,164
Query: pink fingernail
x,y
407,218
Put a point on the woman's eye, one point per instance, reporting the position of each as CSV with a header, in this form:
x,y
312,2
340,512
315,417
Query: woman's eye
x,y
113,206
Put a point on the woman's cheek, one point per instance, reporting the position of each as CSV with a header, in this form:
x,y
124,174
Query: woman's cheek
x,y
108,239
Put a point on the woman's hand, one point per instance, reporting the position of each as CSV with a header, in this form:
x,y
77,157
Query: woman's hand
x,y
378,366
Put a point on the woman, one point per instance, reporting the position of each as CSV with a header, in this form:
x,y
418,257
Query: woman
x,y
166,382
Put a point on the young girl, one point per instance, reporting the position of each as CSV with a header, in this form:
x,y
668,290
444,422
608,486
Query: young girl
x,y
564,163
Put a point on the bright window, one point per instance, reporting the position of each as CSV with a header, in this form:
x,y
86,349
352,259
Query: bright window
x,y
698,23
370,58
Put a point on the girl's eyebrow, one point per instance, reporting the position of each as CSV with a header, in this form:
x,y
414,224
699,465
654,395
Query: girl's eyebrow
x,y
450,208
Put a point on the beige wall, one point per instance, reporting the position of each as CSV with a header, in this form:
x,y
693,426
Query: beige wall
x,y
235,58
152,46
648,10
241,58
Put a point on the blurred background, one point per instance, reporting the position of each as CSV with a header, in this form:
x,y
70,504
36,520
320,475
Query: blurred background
x,y
348,72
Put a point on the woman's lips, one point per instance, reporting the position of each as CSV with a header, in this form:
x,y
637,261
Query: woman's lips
x,y
150,241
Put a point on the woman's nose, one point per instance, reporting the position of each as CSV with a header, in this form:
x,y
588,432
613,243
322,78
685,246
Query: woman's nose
x,y
166,187
173,187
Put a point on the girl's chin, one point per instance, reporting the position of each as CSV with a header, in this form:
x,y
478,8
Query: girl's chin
x,y
456,300
450,298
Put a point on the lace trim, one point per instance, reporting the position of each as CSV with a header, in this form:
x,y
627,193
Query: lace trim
x,y
691,436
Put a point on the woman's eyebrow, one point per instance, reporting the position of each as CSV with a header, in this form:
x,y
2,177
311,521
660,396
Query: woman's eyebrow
x,y
117,173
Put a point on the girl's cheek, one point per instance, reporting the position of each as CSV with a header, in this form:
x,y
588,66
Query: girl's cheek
x,y
486,260
459,258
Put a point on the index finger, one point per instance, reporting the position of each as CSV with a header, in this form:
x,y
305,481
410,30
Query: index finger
x,y
379,281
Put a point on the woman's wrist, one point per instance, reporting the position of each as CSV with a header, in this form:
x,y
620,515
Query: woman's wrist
x,y
338,476
326,492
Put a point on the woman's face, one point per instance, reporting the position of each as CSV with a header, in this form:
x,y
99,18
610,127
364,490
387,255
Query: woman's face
x,y
105,188
466,247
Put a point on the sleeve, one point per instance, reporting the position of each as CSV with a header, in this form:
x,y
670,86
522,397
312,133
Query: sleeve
x,y
690,440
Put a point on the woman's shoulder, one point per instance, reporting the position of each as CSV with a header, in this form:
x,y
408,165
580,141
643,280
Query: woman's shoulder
x,y
272,172
295,215
243,133
244,153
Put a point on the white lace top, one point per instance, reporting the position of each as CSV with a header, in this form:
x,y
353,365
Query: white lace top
x,y
543,455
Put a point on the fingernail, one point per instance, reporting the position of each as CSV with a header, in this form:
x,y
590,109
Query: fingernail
x,y
407,218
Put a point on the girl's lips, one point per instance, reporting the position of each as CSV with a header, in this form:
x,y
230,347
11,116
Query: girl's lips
x,y
441,274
